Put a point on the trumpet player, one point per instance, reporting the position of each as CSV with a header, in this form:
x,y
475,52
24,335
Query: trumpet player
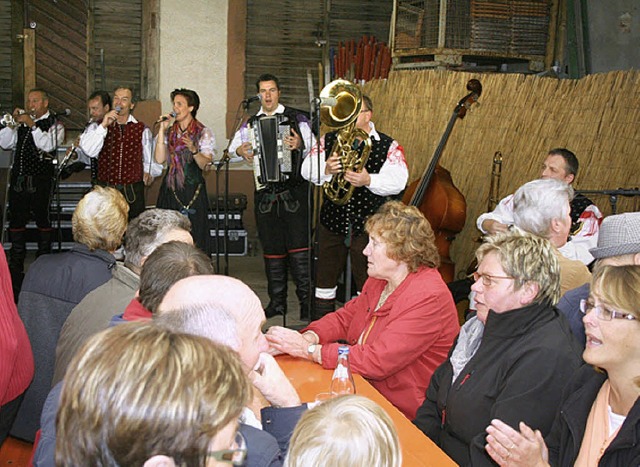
x,y
341,228
281,208
34,140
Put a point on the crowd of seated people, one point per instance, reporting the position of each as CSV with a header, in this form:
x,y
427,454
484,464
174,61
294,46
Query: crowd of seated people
x,y
492,391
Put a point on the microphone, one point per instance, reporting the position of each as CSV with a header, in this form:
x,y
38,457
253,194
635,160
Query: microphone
x,y
118,109
164,118
326,101
251,99
61,113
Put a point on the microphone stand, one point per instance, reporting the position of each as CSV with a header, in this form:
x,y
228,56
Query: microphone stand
x,y
224,161
613,195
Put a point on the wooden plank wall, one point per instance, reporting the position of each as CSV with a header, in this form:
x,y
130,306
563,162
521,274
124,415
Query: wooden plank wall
x,y
6,104
61,55
523,116
282,35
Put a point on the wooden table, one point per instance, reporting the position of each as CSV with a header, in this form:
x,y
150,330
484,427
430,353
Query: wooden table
x,y
310,379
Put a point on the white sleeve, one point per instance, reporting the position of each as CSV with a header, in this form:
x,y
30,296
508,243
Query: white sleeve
x,y
8,138
49,140
310,167
393,175
502,213
150,166
308,138
92,139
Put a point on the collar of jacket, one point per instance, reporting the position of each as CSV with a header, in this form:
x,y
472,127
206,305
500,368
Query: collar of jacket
x,y
82,249
517,322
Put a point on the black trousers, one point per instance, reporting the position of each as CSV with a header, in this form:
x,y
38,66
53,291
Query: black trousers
x,y
29,195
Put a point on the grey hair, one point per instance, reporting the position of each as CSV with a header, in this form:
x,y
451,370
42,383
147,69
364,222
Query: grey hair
x,y
202,319
539,202
147,231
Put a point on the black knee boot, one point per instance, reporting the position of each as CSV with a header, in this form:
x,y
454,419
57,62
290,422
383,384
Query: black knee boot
x,y
276,269
299,263
44,242
321,307
17,255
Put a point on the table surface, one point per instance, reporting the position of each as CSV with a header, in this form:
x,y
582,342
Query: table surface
x,y
310,379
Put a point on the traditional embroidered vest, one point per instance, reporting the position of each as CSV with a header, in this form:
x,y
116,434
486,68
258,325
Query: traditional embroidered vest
x,y
120,160
29,160
363,203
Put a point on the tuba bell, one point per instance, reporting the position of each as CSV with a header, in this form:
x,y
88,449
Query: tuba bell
x,y
342,117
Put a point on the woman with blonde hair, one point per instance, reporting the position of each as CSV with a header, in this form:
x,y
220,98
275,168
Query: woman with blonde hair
x,y
343,432
137,394
598,422
401,326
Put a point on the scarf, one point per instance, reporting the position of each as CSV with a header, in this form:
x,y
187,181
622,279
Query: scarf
x,y
179,154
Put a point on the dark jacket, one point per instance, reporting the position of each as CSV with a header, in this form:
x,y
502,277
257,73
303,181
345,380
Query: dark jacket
x,y
565,438
517,374
53,285
569,306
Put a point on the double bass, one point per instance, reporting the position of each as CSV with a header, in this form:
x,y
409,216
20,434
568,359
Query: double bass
x,y
435,195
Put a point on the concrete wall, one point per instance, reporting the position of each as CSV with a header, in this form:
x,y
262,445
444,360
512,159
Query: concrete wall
x,y
193,54
614,34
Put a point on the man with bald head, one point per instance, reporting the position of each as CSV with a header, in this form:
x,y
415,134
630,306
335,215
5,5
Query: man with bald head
x,y
199,305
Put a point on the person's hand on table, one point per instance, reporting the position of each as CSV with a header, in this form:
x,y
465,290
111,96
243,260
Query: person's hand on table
x,y
291,342
274,385
509,447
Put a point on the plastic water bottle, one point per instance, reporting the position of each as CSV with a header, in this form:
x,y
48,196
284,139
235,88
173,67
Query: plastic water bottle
x,y
342,382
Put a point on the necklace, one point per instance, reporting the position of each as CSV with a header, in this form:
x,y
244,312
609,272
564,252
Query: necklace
x,y
388,290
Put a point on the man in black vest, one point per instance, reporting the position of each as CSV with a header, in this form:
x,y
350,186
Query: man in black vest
x,y
35,141
341,228
281,208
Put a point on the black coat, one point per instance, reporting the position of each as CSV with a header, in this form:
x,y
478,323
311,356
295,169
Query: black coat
x,y
565,438
517,374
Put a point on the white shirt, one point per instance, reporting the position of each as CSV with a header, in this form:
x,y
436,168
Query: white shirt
x,y
391,179
46,141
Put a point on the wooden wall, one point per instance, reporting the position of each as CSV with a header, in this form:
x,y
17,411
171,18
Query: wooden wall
x,y
523,116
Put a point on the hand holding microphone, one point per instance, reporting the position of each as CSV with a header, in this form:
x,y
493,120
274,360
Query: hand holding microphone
x,y
166,117
111,116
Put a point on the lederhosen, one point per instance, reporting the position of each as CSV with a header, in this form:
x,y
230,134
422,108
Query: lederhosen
x,y
281,208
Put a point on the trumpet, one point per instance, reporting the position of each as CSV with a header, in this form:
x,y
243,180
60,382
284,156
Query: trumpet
x,y
9,120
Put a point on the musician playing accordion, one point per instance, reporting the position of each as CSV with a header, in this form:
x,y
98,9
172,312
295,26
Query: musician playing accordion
x,y
275,141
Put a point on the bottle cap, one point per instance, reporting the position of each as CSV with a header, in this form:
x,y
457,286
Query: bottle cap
x,y
343,349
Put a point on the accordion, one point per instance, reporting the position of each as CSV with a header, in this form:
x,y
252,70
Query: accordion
x,y
273,161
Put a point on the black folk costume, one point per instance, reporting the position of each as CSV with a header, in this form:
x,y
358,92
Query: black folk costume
x,y
282,218
30,186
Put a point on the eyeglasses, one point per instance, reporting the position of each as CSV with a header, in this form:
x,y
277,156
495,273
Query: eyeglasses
x,y
487,279
234,456
603,313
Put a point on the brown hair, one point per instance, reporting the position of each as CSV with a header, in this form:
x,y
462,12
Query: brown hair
x,y
137,390
407,234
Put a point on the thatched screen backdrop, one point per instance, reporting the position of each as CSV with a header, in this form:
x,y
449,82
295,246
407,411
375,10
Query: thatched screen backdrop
x,y
522,116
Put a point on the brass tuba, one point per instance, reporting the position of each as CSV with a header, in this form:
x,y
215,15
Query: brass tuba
x,y
342,116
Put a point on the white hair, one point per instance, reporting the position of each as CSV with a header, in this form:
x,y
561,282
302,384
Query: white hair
x,y
537,203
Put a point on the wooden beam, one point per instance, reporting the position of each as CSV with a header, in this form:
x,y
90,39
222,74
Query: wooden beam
x,y
29,48
149,77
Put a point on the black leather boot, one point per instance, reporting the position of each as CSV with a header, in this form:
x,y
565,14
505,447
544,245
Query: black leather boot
x,y
276,269
299,263
17,255
44,242
321,307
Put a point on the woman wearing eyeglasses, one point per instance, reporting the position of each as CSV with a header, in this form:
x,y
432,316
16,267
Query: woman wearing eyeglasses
x,y
599,419
515,363
140,395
